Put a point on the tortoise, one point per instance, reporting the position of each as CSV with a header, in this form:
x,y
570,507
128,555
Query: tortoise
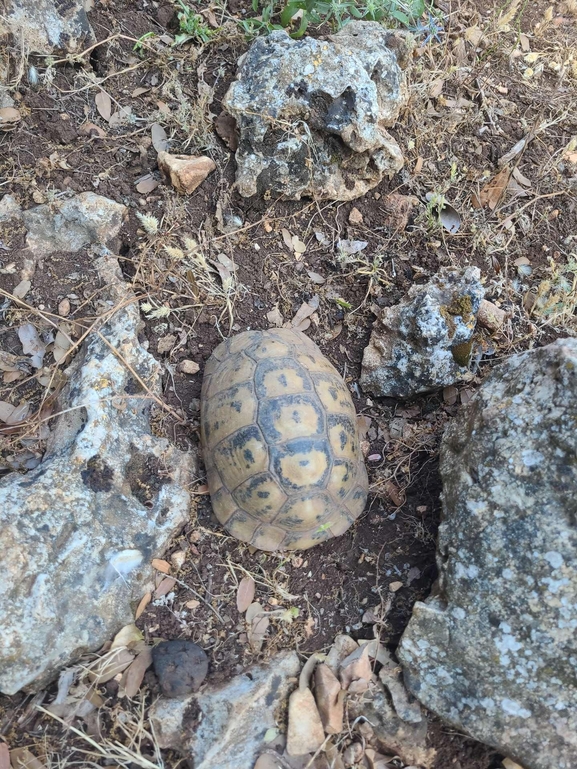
x,y
280,441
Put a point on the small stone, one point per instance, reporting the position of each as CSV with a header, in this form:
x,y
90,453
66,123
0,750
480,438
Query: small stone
x,y
185,172
353,754
180,666
9,116
188,367
355,217
305,732
490,316
394,586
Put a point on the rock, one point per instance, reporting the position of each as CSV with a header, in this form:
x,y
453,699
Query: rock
x,y
9,209
224,726
494,652
185,172
424,343
491,316
69,225
77,533
312,113
330,701
9,117
355,671
47,26
180,666
343,646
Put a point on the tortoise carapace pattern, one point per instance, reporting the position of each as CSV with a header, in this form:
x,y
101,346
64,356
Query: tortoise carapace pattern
x,y
280,441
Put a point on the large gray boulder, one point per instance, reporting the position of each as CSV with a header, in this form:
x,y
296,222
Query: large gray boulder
x,y
494,651
312,113
424,342
46,26
78,533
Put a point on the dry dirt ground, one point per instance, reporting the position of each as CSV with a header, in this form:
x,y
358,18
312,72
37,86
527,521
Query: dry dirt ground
x,y
491,129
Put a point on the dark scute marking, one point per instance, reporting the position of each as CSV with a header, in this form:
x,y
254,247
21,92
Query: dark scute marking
x,y
296,417
304,463
333,393
263,494
344,438
97,475
283,380
290,521
236,405
249,456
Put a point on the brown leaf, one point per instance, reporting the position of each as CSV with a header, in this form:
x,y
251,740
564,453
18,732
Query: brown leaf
x,y
146,184
134,674
287,238
144,601
305,311
9,116
395,494
139,91
92,130
165,587
225,127
103,104
316,278
160,565
274,317
493,190
245,594
105,668
22,289
159,137
22,758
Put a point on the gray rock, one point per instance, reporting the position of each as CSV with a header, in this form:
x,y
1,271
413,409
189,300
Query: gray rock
x,y
312,113
231,720
494,652
46,26
77,533
180,666
71,224
424,343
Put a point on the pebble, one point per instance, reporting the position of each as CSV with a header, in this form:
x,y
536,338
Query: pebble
x,y
180,666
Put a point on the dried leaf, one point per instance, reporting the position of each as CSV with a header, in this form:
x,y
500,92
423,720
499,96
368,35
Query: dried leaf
x,y
9,116
395,494
128,636
355,670
144,601
450,218
298,246
159,138
316,278
473,35
256,632
4,756
19,414
22,758
245,594
287,237
520,178
193,604
121,116
450,394
146,184
305,311
31,344
105,668
160,565
6,411
275,318
134,674
492,192
62,342
505,159
22,289
253,611
165,587
103,104
139,91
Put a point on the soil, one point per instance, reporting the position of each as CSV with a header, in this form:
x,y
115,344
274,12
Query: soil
x,y
470,104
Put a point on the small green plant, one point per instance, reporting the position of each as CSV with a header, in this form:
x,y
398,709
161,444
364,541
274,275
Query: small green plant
x,y
192,26
336,13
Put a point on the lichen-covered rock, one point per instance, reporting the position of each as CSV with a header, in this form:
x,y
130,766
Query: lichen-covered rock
x,y
47,26
78,532
312,113
424,343
495,651
224,726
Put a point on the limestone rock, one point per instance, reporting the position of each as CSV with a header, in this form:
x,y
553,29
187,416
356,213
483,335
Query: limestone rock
x,y
312,113
185,172
329,699
495,651
69,225
77,533
180,666
229,721
46,26
423,343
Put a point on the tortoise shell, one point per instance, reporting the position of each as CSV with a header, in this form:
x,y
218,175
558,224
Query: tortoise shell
x,y
280,441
